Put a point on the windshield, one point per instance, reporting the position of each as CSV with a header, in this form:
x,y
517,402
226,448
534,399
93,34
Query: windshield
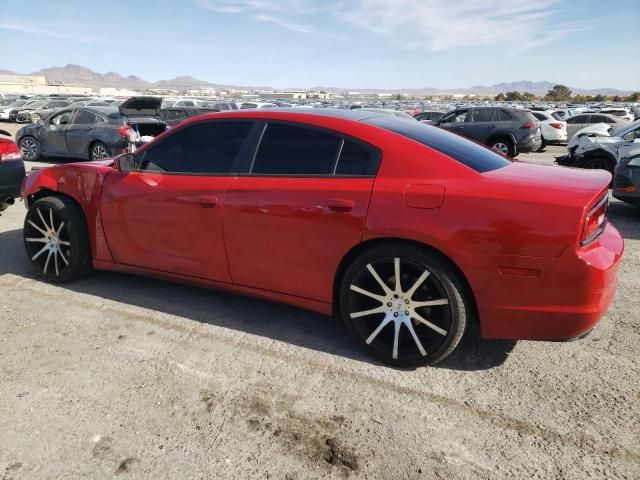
x,y
34,104
622,131
17,103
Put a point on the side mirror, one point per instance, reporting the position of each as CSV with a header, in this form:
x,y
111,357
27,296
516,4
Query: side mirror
x,y
126,163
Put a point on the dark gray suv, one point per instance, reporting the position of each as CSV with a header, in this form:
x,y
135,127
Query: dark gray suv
x,y
507,130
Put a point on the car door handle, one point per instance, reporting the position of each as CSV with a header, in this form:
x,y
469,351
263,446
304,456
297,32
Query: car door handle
x,y
205,201
341,205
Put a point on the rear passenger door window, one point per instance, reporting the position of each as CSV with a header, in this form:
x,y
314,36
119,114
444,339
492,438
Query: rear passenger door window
x,y
211,148
577,120
482,115
357,159
294,150
84,118
504,116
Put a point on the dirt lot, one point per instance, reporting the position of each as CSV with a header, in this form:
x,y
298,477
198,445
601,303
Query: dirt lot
x,y
130,377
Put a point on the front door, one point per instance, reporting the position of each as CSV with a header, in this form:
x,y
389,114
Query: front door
x,y
288,224
455,121
52,133
167,215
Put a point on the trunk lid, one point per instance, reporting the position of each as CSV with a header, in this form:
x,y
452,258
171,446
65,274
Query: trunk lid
x,y
140,107
551,184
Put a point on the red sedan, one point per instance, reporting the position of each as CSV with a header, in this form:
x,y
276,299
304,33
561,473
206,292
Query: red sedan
x,y
408,232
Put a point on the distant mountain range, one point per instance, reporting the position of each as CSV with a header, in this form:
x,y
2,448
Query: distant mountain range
x,y
77,74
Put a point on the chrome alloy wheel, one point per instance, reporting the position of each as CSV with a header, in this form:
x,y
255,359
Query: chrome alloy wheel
x,y
501,147
29,148
99,152
47,241
400,308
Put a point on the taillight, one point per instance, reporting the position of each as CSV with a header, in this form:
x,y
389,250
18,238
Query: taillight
x,y
556,125
594,222
529,125
9,151
125,131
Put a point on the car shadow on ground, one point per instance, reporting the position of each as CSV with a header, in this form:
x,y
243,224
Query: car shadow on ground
x,y
253,316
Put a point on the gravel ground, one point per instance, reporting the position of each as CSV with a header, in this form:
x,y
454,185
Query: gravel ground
x,y
123,376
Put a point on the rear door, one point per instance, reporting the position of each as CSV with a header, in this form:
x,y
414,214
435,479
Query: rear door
x,y
302,207
480,127
167,215
79,133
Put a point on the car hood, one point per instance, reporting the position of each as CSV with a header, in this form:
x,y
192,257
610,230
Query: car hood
x,y
595,130
141,107
588,143
577,187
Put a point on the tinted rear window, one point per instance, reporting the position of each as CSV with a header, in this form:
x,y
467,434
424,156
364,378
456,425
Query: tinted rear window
x,y
475,156
357,159
291,150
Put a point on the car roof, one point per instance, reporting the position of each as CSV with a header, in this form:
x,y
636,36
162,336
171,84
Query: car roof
x,y
357,115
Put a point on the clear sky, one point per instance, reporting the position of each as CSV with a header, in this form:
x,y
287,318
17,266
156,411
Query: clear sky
x,y
345,43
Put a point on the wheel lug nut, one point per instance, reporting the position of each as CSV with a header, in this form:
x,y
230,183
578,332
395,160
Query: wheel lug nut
x,y
395,314
389,304
406,301
406,312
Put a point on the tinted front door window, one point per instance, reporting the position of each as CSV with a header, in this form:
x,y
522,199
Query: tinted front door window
x,y
205,148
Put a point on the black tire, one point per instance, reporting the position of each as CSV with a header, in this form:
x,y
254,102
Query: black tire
x,y
98,151
417,343
503,145
601,163
29,148
56,239
543,144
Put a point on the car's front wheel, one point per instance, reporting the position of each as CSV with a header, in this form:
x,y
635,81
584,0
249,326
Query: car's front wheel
x,y
56,239
99,151
405,305
29,148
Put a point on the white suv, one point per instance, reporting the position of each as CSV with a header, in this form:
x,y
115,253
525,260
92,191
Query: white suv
x,y
553,130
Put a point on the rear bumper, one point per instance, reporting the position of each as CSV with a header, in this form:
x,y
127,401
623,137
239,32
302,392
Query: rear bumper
x,y
530,144
11,175
553,299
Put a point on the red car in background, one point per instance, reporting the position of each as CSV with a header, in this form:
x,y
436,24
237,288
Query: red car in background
x,y
11,170
409,233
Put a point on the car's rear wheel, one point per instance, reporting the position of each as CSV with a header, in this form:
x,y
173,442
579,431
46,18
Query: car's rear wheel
x,y
99,151
56,239
406,306
29,148
504,146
